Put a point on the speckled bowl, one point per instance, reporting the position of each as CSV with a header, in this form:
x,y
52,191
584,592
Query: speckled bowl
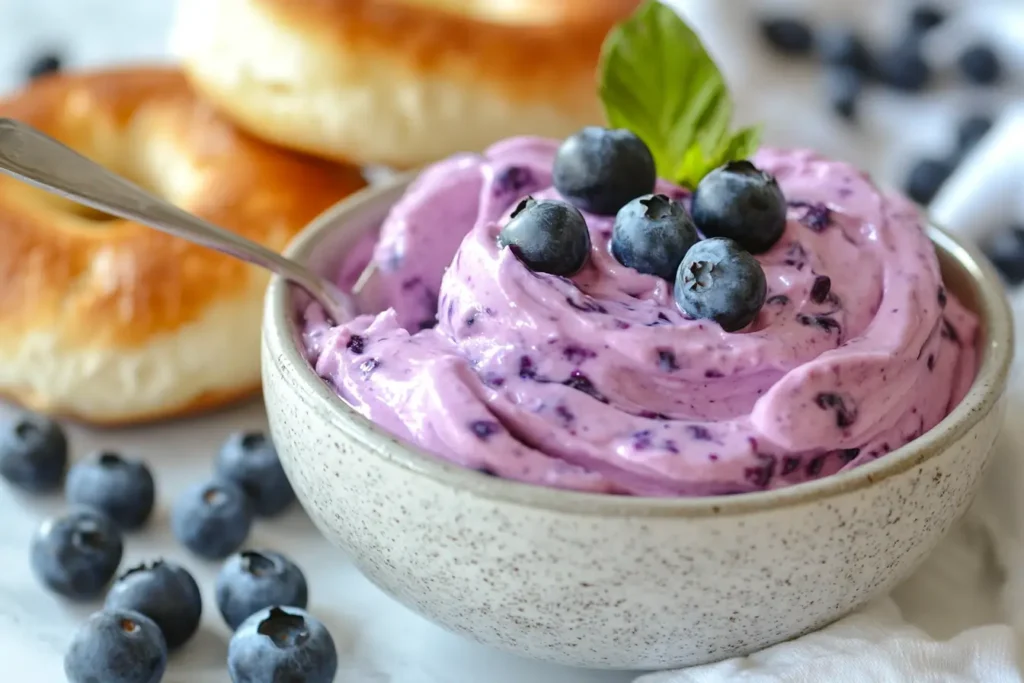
x,y
609,581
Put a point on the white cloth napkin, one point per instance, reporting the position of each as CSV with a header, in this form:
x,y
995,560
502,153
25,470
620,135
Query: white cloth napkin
x,y
878,643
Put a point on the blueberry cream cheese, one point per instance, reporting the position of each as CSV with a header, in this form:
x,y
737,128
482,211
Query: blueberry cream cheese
x,y
751,319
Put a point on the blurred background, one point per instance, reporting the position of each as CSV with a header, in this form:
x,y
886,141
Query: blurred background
x,y
886,123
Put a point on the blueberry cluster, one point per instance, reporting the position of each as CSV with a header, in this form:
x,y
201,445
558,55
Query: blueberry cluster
x,y
154,608
738,208
849,64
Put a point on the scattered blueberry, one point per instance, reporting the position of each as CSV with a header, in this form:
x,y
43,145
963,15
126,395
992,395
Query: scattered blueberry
x,y
77,554
251,581
926,178
600,169
46,63
719,280
212,519
842,47
741,202
843,85
924,17
116,646
282,644
904,67
250,460
547,236
121,489
33,452
1006,252
164,592
971,131
788,35
980,64
652,235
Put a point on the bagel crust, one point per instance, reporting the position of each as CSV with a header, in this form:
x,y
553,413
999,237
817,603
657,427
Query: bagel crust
x,y
398,82
109,321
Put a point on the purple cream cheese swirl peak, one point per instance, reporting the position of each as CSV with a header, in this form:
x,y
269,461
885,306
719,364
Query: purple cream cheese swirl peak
x,y
598,382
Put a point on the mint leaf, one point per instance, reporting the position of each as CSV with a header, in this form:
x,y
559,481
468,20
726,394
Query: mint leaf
x,y
656,79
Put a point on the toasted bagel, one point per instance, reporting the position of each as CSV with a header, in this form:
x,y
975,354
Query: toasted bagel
x,y
398,82
110,321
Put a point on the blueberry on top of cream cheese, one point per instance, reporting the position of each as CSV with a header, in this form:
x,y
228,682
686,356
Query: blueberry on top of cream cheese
x,y
652,235
548,236
743,203
599,170
720,281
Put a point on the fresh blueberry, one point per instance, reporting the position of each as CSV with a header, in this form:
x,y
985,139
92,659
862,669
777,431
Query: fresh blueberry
x,y
924,17
600,169
250,460
741,202
842,47
903,67
719,280
121,489
33,452
44,64
652,235
788,35
251,581
980,64
116,646
843,85
212,519
971,131
77,554
548,236
282,644
164,592
1006,252
926,178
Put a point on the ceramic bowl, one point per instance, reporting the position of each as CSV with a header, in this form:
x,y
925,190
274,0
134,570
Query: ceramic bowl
x,y
610,581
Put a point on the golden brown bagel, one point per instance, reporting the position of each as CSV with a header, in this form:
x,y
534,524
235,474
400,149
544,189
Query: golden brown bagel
x,y
112,322
398,82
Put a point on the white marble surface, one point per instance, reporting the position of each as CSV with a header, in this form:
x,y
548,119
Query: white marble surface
x,y
380,641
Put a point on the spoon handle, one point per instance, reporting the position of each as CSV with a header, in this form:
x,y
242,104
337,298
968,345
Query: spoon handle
x,y
37,159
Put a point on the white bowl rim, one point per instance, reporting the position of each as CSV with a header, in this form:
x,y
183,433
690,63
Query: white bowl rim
x,y
988,386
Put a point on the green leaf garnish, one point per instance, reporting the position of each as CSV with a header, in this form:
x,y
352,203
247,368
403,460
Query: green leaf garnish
x,y
656,79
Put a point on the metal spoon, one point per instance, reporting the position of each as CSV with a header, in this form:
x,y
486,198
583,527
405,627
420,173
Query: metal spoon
x,y
37,159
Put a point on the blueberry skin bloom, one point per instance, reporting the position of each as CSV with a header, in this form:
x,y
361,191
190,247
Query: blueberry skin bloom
x,y
250,460
164,592
116,646
720,281
212,519
251,581
741,202
600,169
77,554
652,235
548,236
121,489
282,645
33,452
